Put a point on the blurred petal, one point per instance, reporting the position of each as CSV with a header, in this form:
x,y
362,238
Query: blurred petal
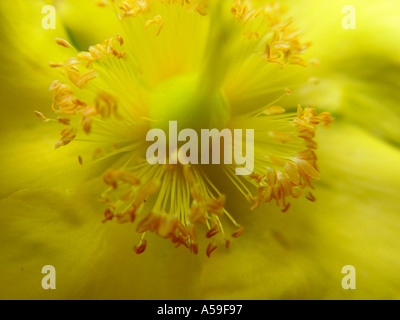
x,y
376,23
29,160
359,71
300,254
25,53
92,261
86,22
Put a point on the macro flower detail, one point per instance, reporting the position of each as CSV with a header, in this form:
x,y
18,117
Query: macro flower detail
x,y
206,65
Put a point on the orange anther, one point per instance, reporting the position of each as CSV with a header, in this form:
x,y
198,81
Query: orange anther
x,y
286,208
141,248
311,197
63,43
238,232
108,215
212,232
210,249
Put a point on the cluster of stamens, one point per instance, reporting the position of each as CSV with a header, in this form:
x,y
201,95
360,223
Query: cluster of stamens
x,y
182,197
284,47
293,175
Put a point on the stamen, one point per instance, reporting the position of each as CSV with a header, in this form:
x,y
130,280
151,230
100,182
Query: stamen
x,y
311,197
157,20
67,135
106,96
141,248
210,249
270,111
63,43
238,232
41,116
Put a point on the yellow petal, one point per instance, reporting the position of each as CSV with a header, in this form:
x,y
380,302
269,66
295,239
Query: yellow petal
x,y
300,254
29,160
92,260
359,69
25,54
88,23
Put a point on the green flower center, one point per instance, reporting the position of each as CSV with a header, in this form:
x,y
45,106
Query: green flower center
x,y
186,100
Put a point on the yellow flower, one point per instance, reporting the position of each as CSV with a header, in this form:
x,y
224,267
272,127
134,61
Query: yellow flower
x,y
120,89
205,64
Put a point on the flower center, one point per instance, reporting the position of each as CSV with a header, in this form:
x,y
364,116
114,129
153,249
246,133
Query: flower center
x,y
184,99
205,66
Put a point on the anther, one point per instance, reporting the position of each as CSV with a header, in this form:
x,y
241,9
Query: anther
x,y
210,249
63,43
238,232
142,246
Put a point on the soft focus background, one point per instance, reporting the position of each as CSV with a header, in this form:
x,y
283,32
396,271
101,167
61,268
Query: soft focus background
x,y
48,216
